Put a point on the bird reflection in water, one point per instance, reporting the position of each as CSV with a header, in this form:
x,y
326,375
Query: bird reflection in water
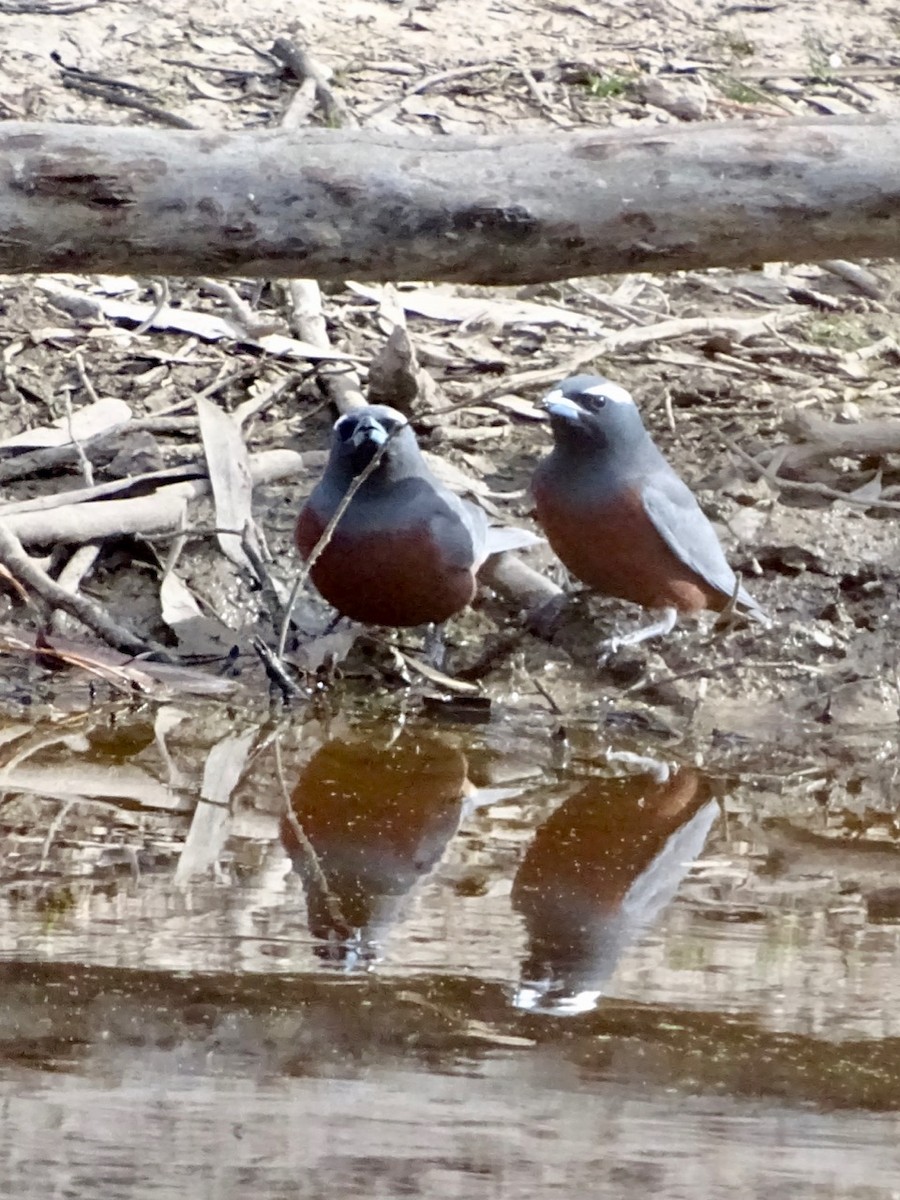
x,y
367,822
598,872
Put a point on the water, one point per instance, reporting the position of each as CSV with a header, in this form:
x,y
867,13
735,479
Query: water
x,y
394,958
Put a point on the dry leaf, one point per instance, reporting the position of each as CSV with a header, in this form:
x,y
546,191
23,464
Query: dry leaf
x,y
326,650
176,600
228,464
517,406
442,304
105,416
452,477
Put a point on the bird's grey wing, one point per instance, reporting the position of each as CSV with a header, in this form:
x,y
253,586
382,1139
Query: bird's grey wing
x,y
458,527
686,530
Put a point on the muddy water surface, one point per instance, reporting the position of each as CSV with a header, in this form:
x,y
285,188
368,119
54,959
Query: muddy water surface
x,y
348,958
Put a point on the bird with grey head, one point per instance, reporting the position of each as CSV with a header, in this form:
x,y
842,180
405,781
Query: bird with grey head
x,y
620,518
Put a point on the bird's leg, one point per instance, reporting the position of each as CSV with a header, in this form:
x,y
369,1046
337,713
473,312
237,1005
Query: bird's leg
x,y
332,624
666,623
434,650
730,614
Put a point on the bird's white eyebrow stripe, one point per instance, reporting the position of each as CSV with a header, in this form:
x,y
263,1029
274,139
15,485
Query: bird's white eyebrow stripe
x,y
612,392
389,414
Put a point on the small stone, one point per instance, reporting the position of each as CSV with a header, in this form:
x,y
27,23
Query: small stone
x,y
686,99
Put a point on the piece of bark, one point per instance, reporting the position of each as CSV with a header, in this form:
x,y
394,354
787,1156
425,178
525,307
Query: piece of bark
x,y
395,377
683,97
328,204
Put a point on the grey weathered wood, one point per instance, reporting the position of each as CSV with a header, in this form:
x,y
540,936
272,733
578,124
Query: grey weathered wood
x,y
333,204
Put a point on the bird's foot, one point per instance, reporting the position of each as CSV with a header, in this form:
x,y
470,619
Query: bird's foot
x,y
666,623
740,609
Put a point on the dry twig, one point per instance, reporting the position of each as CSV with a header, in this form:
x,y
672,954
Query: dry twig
x,y
342,386
302,66
433,81
814,489
113,95
160,512
249,323
828,439
85,463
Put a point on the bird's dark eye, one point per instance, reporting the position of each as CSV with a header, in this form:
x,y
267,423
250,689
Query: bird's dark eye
x,y
344,430
594,402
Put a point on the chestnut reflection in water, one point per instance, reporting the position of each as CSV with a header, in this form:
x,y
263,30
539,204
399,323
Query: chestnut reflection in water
x,y
599,871
367,823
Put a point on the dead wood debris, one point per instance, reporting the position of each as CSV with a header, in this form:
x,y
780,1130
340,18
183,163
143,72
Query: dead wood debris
x,y
156,502
89,612
303,67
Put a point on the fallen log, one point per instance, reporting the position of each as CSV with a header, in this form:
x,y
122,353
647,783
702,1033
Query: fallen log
x,y
333,204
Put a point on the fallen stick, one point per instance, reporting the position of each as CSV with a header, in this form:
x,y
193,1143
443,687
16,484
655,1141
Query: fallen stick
x,y
302,66
828,439
770,475
512,578
367,204
341,385
146,482
122,783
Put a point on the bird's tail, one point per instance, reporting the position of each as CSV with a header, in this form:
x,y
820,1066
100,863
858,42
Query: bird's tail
x,y
501,538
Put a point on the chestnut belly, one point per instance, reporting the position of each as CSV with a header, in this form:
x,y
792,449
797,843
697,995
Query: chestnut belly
x,y
386,578
618,551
